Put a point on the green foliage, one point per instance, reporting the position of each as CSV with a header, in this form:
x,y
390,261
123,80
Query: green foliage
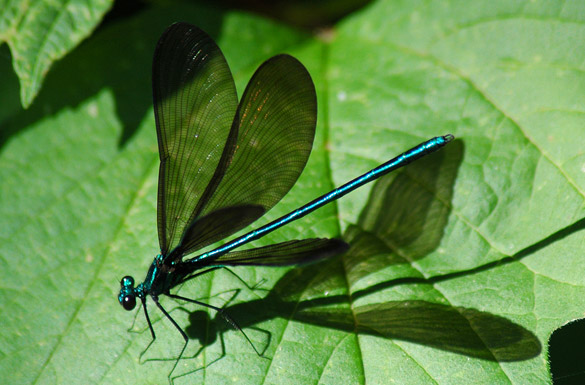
x,y
40,32
461,266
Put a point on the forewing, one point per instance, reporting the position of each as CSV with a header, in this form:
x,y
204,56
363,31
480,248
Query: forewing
x,y
276,126
194,103
293,252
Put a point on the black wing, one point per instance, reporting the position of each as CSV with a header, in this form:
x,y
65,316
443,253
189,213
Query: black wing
x,y
293,252
195,103
276,126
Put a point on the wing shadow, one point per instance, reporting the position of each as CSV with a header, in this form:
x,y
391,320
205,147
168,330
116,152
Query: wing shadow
x,y
403,221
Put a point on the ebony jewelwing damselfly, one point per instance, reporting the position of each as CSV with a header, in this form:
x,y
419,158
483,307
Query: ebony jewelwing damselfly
x,y
223,164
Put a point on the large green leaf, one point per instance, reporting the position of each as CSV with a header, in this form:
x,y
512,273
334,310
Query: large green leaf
x,y
460,268
39,32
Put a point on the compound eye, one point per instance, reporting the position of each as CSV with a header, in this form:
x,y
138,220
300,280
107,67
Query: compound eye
x,y
129,302
127,281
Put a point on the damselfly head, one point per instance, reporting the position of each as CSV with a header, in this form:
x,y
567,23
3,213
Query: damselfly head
x,y
127,297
